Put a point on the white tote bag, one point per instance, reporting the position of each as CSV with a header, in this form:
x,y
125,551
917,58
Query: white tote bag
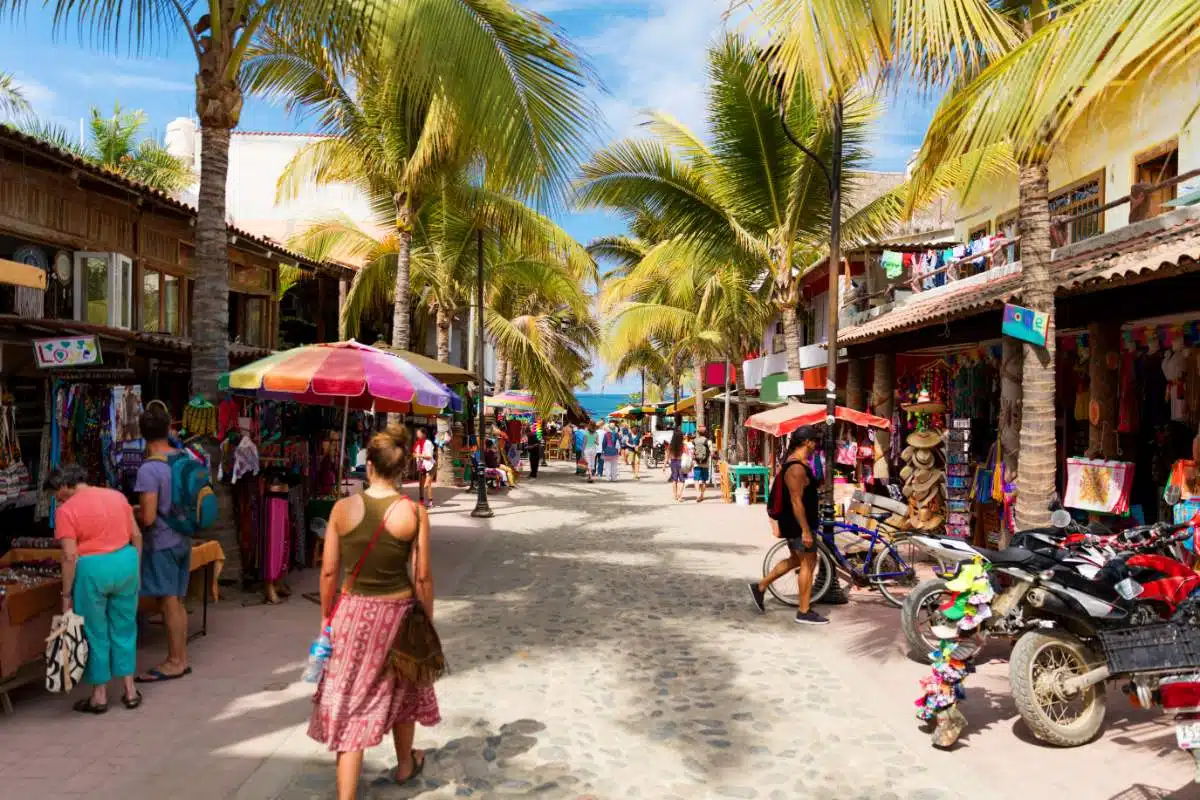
x,y
66,652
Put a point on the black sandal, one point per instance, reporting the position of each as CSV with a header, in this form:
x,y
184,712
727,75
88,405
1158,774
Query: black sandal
x,y
132,703
418,768
86,706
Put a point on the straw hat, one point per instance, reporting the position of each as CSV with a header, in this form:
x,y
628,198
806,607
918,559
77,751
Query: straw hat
x,y
924,439
923,458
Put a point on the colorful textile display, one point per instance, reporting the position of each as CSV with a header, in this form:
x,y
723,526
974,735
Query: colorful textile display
x,y
892,263
1098,486
200,418
963,609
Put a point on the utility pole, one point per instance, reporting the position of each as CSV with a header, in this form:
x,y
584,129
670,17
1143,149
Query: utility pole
x,y
833,175
482,509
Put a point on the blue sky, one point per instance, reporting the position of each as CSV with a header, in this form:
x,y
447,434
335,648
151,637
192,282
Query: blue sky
x,y
648,53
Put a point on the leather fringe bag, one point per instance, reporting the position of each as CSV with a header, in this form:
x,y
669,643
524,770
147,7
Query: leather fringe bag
x,y
416,653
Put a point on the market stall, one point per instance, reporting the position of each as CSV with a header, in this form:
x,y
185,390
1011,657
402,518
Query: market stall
x,y
853,463
31,594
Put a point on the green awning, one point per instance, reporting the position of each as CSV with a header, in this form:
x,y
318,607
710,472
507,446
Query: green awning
x,y
768,392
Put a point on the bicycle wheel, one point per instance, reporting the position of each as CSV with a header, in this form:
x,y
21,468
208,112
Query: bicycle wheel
x,y
785,589
925,563
892,576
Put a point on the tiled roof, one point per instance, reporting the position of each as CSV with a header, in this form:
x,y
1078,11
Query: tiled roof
x,y
959,299
36,327
15,136
1173,249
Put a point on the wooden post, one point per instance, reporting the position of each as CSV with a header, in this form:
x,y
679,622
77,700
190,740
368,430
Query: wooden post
x,y
856,369
1104,343
883,387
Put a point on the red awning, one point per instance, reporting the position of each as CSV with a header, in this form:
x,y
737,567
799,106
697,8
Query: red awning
x,y
783,420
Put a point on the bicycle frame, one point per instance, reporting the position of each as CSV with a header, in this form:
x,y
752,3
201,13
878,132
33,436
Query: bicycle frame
x,y
874,538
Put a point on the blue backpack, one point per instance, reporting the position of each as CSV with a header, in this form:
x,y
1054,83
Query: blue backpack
x,y
193,501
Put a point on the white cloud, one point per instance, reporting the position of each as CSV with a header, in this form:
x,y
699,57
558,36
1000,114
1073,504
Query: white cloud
x,y
654,58
133,80
39,95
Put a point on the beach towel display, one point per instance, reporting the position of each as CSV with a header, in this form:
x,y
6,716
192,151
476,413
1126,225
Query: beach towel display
x,y
1099,486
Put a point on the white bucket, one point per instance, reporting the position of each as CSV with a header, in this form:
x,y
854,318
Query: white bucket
x,y
741,496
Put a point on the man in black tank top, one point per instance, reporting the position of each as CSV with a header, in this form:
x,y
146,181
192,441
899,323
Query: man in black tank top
x,y
794,508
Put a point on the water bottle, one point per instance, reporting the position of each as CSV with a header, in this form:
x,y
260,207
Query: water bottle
x,y
318,654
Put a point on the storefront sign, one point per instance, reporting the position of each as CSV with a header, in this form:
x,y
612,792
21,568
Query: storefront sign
x,y
1025,324
72,351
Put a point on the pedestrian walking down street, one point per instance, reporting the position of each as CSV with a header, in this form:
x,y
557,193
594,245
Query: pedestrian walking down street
x,y
591,451
102,547
533,450
701,461
378,535
611,451
674,462
578,438
794,510
424,454
632,440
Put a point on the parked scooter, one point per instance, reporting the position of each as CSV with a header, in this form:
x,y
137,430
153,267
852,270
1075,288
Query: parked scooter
x,y
1059,665
1065,543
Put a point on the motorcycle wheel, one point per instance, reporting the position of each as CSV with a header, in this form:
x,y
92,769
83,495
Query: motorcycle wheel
x,y
785,590
916,618
1039,663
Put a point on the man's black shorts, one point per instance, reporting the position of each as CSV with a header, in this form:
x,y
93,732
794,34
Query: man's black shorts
x,y
797,545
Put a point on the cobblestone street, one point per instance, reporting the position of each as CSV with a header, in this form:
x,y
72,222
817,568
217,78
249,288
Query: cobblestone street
x,y
602,645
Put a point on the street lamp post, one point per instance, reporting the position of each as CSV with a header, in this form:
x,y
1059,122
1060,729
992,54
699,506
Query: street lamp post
x,y
833,175
482,509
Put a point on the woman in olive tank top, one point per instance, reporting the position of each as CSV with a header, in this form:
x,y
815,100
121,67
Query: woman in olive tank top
x,y
379,540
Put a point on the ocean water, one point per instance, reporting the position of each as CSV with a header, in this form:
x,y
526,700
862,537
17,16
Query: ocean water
x,y
600,406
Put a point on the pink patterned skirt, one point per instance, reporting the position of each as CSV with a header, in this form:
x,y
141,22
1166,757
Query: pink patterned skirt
x,y
358,700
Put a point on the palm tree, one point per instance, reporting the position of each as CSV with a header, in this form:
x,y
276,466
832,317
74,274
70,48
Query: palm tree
x,y
1032,98
749,198
113,144
12,98
509,76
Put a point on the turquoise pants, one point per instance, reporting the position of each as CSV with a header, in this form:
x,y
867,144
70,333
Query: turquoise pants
x,y
106,596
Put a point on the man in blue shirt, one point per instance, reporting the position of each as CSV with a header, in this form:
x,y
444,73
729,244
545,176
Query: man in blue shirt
x,y
577,443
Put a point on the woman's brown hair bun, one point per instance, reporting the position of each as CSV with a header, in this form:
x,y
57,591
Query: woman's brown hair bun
x,y
388,451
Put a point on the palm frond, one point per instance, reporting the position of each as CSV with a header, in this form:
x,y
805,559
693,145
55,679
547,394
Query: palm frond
x,y
152,164
12,98
51,133
1034,97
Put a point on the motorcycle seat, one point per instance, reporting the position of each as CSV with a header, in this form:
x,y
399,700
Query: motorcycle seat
x,y
1009,555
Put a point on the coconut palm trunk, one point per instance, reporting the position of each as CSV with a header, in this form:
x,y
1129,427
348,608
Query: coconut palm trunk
x,y
791,336
210,314
401,318
1035,478
445,469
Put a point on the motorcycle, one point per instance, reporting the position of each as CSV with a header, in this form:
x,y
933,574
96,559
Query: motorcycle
x,y
1081,639
1084,549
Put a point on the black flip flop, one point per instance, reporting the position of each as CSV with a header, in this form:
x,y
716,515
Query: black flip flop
x,y
86,706
158,676
418,768
132,702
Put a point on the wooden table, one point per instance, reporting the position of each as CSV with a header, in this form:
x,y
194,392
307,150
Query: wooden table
x,y
740,472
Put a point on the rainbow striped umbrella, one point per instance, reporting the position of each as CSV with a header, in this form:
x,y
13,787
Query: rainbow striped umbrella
x,y
519,400
344,373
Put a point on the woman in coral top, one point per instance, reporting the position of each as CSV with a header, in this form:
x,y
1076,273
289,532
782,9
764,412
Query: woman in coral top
x,y
102,550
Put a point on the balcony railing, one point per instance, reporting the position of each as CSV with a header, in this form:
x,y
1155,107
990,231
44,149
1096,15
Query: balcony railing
x,y
1072,228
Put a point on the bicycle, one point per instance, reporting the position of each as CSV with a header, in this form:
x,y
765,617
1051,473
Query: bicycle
x,y
880,566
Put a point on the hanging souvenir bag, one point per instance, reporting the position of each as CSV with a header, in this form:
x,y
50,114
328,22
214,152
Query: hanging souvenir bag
x,y
985,477
847,452
66,653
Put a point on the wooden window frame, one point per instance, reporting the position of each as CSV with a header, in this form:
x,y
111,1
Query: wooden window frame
x,y
1003,221
1096,177
162,300
979,231
1151,153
